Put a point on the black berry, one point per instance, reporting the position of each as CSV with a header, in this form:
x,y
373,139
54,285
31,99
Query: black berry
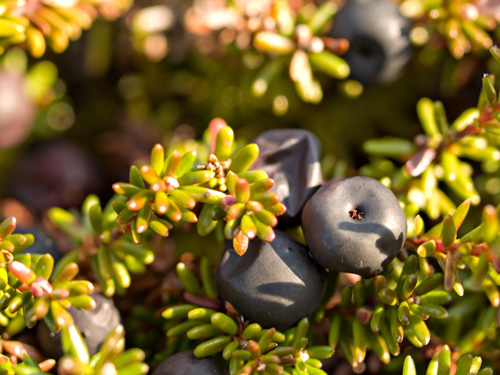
x,y
185,363
55,174
379,43
354,225
274,283
291,158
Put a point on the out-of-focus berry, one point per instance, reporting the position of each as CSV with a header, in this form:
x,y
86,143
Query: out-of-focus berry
x,y
16,110
378,35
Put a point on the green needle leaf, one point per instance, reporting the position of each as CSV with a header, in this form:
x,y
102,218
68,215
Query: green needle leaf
x,y
183,327
448,232
73,344
207,277
224,323
450,272
186,163
157,159
419,226
491,291
177,312
464,364
389,147
224,143
253,176
392,344
444,361
202,331
8,225
489,90
495,52
244,158
438,297
404,313
242,190
134,369
251,331
201,313
211,346
440,115
486,371
388,296
489,230
377,319
44,266
430,283
135,177
334,332
330,64
359,340
188,279
321,17
426,115
409,366
320,352
409,286
230,348
266,338
396,327
435,311
461,212
419,328
196,177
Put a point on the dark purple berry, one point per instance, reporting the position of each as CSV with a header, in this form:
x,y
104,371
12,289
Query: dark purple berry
x,y
94,325
185,363
291,158
274,283
379,43
54,174
354,225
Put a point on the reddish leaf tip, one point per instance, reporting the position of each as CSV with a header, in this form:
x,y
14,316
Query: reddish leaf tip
x,y
213,128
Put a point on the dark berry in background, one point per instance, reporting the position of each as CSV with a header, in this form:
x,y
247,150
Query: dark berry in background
x,y
16,110
185,363
274,283
94,325
379,43
54,174
291,158
354,225
44,244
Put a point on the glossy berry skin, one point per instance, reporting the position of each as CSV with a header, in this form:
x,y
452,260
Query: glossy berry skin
x,y
274,283
354,225
291,158
185,363
379,43
94,325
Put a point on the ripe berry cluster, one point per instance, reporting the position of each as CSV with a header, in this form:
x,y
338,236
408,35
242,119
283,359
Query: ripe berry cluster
x,y
350,224
353,225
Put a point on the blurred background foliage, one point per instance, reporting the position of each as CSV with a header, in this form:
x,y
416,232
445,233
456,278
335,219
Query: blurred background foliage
x,y
163,71
88,87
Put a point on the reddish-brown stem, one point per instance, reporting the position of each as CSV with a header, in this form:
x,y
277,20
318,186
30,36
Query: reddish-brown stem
x,y
203,301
